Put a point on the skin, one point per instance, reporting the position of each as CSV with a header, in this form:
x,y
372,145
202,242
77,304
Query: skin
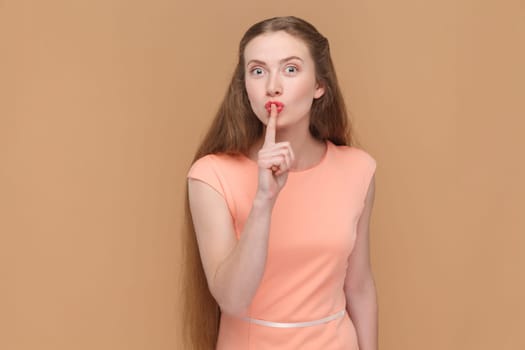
x,y
279,67
234,268
360,290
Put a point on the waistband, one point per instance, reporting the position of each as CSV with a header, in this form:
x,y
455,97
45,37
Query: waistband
x,y
296,324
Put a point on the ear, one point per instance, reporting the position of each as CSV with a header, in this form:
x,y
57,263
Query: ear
x,y
319,90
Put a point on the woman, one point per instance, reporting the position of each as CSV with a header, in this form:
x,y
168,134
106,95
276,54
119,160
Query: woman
x,y
280,202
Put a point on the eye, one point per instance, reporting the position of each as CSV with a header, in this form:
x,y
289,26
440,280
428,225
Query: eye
x,y
291,69
257,71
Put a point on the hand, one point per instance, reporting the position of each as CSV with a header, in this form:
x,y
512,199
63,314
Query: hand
x,y
274,160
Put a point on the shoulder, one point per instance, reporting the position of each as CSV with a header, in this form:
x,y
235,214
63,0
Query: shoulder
x,y
205,163
207,170
353,155
221,170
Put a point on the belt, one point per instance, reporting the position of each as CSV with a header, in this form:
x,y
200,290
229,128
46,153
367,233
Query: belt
x,y
295,324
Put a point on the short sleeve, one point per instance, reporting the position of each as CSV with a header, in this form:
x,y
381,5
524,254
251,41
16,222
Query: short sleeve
x,y
370,165
205,170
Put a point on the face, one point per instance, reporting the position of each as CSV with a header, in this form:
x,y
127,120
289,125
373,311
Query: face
x,y
279,67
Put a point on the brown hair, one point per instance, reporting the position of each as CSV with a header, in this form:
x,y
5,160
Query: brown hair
x,y
234,130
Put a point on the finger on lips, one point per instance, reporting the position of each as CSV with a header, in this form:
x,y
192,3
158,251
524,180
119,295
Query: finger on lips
x,y
269,138
283,152
277,104
273,108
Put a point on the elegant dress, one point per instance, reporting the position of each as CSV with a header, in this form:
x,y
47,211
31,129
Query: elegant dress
x,y
312,234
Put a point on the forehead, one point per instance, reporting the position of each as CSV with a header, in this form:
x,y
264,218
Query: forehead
x,y
274,46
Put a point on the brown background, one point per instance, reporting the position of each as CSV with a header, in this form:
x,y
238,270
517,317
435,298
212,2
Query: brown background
x,y
102,104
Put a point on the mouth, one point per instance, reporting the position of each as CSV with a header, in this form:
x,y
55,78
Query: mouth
x,y
277,104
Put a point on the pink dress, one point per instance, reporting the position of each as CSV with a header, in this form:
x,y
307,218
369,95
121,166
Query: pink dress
x,y
312,234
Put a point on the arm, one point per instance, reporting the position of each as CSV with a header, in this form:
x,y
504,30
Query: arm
x,y
234,269
360,291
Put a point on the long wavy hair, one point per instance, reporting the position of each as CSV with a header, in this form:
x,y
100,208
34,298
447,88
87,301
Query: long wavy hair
x,y
234,130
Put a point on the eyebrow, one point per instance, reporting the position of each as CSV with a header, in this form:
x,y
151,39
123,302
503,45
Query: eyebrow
x,y
280,61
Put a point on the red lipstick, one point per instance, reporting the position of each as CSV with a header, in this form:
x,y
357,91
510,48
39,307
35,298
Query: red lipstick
x,y
277,104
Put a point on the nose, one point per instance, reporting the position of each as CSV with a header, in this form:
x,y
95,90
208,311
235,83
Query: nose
x,y
273,86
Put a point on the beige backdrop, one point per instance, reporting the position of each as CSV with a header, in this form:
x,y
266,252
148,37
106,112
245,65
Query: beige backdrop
x,y
102,104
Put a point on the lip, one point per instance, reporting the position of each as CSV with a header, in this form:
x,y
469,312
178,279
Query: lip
x,y
278,104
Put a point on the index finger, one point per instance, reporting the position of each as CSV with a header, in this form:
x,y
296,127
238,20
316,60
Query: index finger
x,y
269,138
